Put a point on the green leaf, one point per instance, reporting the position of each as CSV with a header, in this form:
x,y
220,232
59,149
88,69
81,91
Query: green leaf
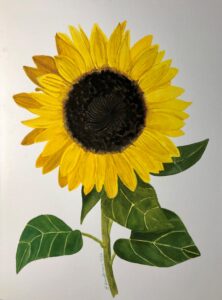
x,y
189,155
138,210
164,249
46,236
88,202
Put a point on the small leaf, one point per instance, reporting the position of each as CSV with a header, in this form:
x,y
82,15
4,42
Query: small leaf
x,y
164,249
138,210
88,202
189,155
46,236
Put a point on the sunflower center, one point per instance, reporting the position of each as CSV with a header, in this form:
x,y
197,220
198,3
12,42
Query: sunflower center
x,y
105,111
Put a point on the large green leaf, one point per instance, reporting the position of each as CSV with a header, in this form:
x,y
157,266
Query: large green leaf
x,y
46,236
189,155
138,210
158,249
88,202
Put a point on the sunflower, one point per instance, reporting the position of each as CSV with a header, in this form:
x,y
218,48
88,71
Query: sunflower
x,y
106,110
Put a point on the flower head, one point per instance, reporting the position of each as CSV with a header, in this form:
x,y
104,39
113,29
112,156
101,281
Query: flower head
x,y
105,109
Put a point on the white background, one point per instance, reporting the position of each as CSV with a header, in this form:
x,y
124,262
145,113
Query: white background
x,y
190,32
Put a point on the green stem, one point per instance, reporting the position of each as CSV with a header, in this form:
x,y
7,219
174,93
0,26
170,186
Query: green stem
x,y
93,238
106,227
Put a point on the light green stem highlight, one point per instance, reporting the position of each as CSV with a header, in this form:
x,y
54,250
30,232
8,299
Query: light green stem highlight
x,y
93,238
106,225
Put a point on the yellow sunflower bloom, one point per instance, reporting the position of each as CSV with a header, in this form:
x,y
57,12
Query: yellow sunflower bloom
x,y
105,109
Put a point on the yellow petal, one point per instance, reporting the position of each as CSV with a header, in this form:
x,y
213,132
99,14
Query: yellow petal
x,y
172,72
173,133
144,62
166,144
88,172
48,113
30,138
137,165
154,149
74,178
98,43
149,162
100,171
164,94
46,100
114,44
41,122
162,121
82,44
125,171
151,78
45,63
111,183
67,69
25,100
159,57
124,53
55,144
54,84
65,47
49,133
171,112
70,158
33,73
52,161
174,104
141,46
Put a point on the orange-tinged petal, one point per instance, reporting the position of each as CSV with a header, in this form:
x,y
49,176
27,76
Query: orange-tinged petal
x,y
62,180
25,100
33,73
30,138
45,63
